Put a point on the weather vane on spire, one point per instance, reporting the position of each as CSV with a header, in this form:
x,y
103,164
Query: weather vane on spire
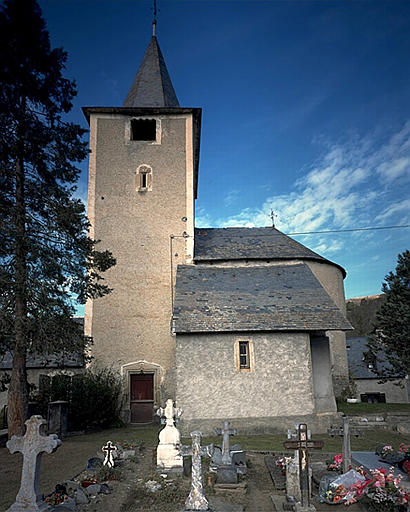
x,y
154,21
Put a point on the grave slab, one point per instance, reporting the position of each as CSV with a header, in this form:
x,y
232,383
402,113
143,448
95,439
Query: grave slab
x,y
372,461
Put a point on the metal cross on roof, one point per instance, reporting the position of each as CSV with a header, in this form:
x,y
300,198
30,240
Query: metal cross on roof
x,y
303,445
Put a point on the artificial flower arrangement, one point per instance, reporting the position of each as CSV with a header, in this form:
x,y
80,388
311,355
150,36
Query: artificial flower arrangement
x,y
386,450
88,481
336,463
282,462
380,491
56,498
125,445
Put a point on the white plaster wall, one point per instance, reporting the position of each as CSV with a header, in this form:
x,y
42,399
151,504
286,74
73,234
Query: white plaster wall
x,y
210,386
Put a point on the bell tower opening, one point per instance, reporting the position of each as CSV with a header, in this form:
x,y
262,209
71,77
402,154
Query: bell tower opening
x,y
143,129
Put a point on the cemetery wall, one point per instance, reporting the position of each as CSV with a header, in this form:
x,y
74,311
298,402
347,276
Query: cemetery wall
x,y
132,324
210,387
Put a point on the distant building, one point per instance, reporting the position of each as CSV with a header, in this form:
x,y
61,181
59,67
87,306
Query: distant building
x,y
369,388
38,365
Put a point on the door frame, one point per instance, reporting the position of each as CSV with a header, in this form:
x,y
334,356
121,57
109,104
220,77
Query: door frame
x,y
138,367
131,375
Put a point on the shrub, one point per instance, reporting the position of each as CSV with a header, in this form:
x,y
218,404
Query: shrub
x,y
94,397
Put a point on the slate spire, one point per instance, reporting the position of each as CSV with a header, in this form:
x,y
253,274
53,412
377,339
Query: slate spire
x,y
152,86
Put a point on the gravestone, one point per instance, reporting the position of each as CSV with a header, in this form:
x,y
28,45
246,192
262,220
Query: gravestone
x,y
57,418
168,456
32,445
345,432
292,469
225,432
196,499
109,450
226,471
303,445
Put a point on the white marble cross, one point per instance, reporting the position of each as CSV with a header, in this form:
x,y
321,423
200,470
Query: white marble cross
x,y
109,449
31,445
225,431
196,499
170,412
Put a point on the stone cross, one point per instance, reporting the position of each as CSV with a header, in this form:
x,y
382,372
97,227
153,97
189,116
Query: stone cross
x,y
31,445
196,499
345,432
302,445
170,412
225,431
109,449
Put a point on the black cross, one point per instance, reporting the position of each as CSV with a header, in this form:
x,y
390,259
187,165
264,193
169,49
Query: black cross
x,y
302,445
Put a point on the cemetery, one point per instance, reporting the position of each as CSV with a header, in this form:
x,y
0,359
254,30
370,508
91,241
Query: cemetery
x,y
146,469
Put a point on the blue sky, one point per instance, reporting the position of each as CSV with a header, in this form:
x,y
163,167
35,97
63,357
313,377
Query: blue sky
x,y
306,110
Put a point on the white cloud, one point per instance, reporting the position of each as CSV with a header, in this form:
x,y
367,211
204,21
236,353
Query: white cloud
x,y
231,198
344,189
393,209
394,169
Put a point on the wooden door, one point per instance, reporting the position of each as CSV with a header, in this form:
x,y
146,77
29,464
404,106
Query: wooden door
x,y
142,397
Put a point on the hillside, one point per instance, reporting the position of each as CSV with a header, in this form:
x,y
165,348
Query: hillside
x,y
361,313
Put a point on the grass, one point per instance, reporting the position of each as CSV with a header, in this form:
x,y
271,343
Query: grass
x,y
367,442
366,408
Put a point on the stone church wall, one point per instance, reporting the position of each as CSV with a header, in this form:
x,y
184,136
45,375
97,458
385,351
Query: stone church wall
x,y
275,392
131,326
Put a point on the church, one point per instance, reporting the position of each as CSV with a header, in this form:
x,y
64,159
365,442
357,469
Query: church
x,y
238,324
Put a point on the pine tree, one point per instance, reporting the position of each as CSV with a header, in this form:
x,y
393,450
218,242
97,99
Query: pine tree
x,y
389,344
47,260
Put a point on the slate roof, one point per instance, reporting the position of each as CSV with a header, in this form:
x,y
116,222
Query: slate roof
x,y
216,244
264,298
73,360
356,347
152,86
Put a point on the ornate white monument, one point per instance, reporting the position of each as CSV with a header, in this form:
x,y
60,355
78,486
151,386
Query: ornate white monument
x,y
168,456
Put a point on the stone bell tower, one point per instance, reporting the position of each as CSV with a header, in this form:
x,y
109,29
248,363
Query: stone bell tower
x,y
143,174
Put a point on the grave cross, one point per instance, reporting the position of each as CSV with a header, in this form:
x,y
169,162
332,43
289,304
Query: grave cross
x,y
171,413
302,445
109,449
31,445
225,431
345,431
196,499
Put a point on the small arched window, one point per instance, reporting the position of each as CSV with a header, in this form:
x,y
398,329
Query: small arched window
x,y
144,178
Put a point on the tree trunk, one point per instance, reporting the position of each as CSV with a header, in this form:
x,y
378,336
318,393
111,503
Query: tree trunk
x,y
18,388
